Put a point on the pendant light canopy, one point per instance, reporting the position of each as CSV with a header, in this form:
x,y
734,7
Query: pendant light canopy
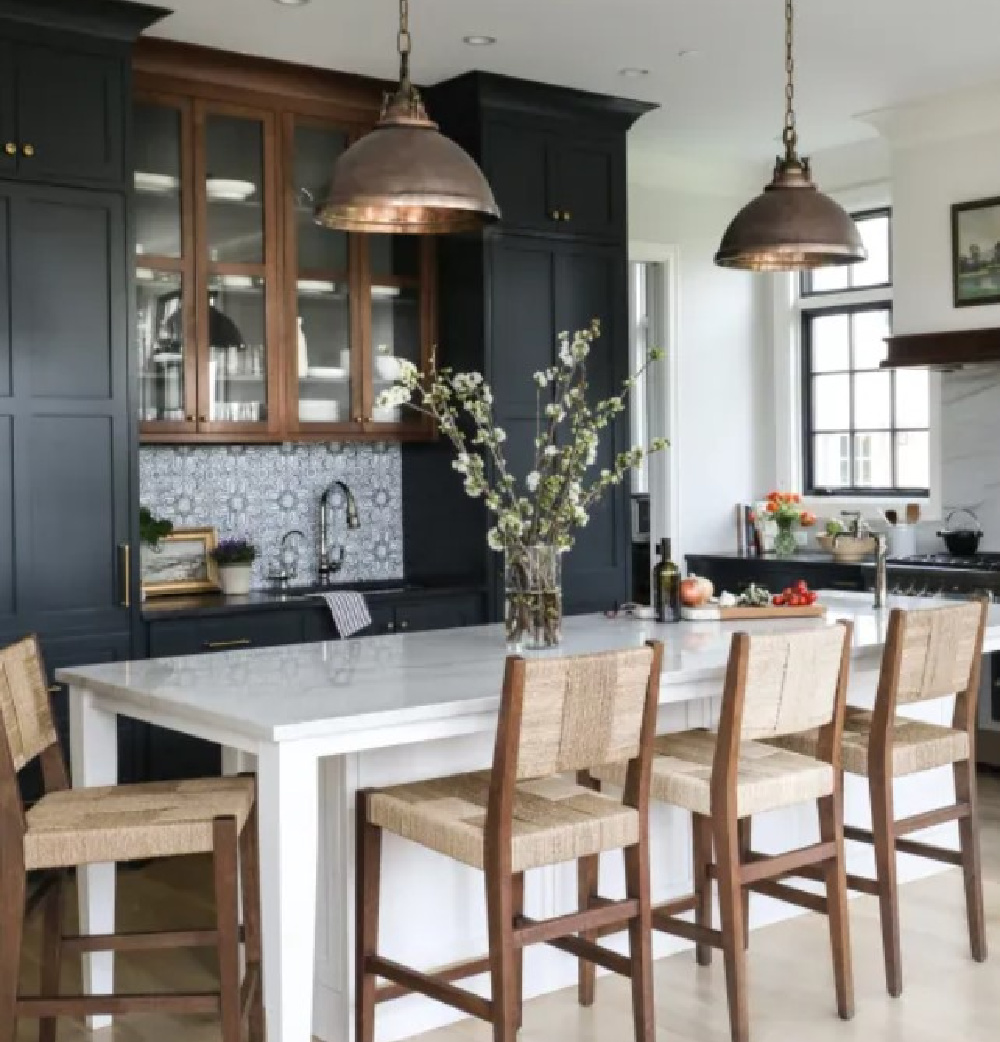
x,y
405,176
791,226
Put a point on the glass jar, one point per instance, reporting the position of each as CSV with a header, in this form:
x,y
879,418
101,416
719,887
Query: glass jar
x,y
533,589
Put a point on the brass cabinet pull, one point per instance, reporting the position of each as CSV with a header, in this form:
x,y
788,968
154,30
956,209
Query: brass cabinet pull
x,y
219,645
125,573
28,150
10,148
55,689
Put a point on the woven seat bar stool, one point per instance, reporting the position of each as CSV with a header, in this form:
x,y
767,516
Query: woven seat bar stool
x,y
68,828
774,685
557,717
928,655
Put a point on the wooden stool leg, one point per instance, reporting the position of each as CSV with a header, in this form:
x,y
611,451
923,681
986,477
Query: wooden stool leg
x,y
831,830
880,791
517,907
367,886
968,834
227,917
702,832
744,831
250,875
51,955
11,929
640,935
588,881
731,912
500,911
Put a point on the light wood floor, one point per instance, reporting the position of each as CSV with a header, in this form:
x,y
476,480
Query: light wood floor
x,y
946,996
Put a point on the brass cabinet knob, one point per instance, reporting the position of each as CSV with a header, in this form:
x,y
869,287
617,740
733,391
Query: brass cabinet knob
x,y
189,419
404,625
203,419
390,627
10,148
357,419
28,150
567,216
556,215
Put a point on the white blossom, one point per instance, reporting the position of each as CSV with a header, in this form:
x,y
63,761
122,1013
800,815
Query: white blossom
x,y
532,480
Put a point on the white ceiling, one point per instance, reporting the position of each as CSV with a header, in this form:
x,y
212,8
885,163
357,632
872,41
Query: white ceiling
x,y
854,56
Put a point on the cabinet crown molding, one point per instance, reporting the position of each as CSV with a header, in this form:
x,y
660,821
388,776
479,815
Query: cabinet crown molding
x,y
109,19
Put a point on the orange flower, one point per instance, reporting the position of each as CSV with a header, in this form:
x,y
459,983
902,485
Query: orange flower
x,y
807,519
772,506
773,496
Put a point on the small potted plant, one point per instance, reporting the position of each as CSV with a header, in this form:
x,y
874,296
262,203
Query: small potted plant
x,y
234,558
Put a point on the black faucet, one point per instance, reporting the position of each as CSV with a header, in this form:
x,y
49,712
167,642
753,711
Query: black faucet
x,y
329,566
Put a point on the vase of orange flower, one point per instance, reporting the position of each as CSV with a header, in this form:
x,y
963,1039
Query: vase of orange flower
x,y
786,511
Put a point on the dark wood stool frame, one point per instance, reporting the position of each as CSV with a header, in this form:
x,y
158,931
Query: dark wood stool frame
x,y
738,870
510,931
234,1003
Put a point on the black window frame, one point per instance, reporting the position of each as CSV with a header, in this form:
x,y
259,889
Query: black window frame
x,y
805,278
852,490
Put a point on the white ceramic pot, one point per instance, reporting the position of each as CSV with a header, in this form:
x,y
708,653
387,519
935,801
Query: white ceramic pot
x,y
235,579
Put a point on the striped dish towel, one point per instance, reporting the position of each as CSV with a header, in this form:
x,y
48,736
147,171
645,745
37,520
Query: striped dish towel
x,y
349,611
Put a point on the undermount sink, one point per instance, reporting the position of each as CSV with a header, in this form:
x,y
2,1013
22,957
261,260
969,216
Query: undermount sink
x,y
315,590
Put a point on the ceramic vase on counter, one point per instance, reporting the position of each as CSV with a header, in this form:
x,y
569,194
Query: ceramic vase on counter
x,y
533,593
234,579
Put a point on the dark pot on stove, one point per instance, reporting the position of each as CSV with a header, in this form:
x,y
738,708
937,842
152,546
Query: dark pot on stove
x,y
962,542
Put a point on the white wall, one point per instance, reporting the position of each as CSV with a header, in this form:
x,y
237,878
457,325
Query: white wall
x,y
722,439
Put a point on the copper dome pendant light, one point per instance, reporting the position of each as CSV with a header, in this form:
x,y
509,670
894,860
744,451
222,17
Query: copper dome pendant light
x,y
405,176
791,226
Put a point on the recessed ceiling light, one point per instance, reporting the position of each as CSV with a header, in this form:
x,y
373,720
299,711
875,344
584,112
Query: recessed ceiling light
x,y
479,41
633,72
689,52
292,3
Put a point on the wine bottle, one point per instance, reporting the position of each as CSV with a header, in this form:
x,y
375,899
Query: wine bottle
x,y
666,586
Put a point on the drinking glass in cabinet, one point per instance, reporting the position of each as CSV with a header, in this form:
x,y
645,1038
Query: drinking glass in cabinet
x,y
161,344
234,166
324,351
396,334
157,147
237,349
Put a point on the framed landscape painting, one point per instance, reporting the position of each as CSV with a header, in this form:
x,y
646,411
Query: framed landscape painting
x,y
180,563
975,248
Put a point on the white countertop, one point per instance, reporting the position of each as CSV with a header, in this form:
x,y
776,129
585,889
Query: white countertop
x,y
306,691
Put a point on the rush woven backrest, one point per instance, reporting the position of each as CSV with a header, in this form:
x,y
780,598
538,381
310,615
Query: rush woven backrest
x,y
582,712
939,650
791,682
25,712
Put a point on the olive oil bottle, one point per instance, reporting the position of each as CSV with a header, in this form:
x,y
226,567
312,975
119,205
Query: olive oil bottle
x,y
666,586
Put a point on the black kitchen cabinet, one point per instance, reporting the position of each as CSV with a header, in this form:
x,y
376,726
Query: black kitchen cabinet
x,y
258,629
734,573
509,291
8,111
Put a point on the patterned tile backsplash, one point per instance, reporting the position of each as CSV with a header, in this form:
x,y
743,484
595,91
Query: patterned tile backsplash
x,y
263,491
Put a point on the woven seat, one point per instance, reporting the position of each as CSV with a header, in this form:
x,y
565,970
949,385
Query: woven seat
x,y
916,746
132,822
766,777
554,819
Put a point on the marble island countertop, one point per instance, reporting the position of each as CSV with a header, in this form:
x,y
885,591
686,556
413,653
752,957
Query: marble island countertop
x,y
347,689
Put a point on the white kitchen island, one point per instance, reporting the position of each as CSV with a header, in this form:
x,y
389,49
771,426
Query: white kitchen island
x,y
320,721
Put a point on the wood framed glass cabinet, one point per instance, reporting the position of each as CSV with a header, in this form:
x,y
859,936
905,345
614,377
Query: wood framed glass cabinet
x,y
254,323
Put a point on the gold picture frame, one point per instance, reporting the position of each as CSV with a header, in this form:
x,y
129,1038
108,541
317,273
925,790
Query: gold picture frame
x,y
180,563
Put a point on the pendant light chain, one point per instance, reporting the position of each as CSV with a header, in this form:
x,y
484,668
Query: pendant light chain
x,y
789,136
404,43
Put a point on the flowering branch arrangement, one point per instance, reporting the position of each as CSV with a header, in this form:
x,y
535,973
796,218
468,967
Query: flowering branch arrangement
x,y
555,497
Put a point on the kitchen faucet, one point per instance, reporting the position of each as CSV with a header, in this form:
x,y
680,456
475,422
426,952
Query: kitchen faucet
x,y
329,566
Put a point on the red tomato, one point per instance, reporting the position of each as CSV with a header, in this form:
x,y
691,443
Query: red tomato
x,y
801,586
777,600
812,596
796,601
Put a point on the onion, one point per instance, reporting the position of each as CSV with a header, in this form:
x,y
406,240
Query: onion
x,y
696,591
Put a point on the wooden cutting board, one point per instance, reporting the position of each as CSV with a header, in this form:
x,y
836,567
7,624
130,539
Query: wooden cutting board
x,y
713,613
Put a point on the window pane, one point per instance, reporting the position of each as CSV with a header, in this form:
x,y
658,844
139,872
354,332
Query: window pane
x,y
870,330
831,344
831,460
875,270
913,459
872,460
912,398
825,280
831,403
873,400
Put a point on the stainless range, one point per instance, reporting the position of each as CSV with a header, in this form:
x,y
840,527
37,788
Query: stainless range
x,y
946,575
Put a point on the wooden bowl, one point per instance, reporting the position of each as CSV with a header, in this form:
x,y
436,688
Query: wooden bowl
x,y
849,549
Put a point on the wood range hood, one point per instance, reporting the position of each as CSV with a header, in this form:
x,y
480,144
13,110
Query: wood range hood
x,y
946,350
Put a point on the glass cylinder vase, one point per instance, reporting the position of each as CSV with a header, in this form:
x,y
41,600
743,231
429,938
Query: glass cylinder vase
x,y
784,542
533,593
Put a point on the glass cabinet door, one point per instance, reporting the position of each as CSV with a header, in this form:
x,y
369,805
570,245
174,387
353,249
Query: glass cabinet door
x,y
400,319
319,320
163,275
237,236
